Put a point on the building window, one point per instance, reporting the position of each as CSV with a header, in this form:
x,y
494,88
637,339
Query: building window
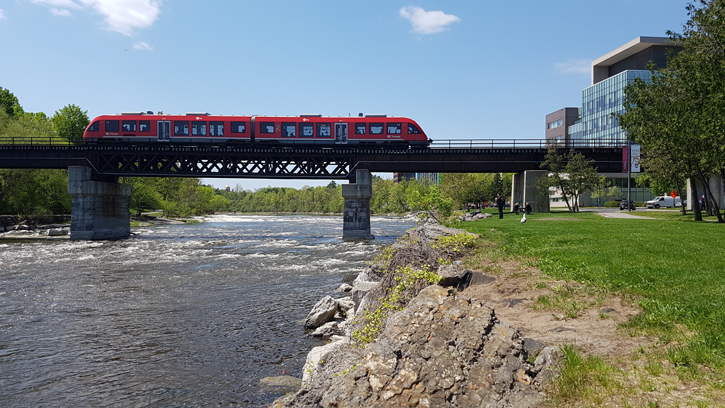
x,y
181,128
198,128
376,128
360,128
128,125
94,127
394,128
111,126
307,130
324,130
266,127
555,124
239,127
144,126
288,130
216,128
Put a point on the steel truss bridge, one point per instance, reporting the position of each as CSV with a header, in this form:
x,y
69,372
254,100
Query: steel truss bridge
x,y
257,160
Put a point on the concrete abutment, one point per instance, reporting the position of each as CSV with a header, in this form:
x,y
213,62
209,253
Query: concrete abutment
x,y
356,218
100,207
524,190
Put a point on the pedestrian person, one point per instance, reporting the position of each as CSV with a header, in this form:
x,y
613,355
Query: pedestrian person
x,y
528,208
500,202
516,208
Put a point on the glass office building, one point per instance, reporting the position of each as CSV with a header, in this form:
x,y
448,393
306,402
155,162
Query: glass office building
x,y
597,125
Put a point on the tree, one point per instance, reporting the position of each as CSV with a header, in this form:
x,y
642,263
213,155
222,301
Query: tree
x,y
70,122
679,117
143,194
9,103
571,179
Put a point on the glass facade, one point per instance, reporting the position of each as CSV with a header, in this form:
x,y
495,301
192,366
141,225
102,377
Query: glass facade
x,y
597,127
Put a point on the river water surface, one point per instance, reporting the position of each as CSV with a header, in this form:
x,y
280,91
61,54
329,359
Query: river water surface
x,y
177,315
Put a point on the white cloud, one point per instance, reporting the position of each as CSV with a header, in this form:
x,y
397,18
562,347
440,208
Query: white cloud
x,y
121,16
427,22
142,46
574,67
60,12
65,4
2,15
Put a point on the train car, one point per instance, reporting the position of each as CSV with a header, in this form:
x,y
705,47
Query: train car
x,y
303,129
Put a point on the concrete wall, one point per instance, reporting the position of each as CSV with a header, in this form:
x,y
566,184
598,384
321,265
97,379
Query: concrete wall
x,y
100,208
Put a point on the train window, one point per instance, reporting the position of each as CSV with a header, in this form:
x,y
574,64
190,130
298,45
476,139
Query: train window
x,y
307,130
324,130
360,129
376,128
112,126
198,128
288,130
216,128
413,130
181,128
394,128
144,126
239,127
266,127
128,125
95,127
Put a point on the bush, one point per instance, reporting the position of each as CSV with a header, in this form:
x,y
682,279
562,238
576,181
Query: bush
x,y
613,204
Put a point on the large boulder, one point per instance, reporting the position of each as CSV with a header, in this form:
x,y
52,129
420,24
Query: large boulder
x,y
56,232
328,330
323,312
441,350
359,290
454,276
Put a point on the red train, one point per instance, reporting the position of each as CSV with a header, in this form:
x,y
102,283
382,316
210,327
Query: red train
x,y
305,129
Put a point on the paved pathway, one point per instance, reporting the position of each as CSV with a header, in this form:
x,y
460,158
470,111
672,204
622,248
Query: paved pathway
x,y
616,213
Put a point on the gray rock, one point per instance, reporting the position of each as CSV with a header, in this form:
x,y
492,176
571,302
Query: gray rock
x,y
359,290
321,313
56,232
345,304
344,288
328,330
481,279
454,276
316,358
21,227
439,351
533,347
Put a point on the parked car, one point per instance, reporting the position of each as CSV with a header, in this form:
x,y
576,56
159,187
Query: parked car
x,y
664,202
623,205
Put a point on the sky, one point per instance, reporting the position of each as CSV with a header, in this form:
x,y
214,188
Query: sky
x,y
475,69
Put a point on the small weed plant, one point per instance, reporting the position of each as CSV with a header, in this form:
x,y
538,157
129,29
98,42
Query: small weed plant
x,y
409,281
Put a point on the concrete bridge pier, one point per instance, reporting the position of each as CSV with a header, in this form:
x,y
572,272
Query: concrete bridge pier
x,y
356,219
523,190
100,207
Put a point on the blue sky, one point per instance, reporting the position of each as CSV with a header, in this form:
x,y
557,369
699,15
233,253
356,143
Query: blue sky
x,y
462,69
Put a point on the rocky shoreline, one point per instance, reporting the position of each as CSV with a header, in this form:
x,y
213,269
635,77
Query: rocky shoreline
x,y
437,346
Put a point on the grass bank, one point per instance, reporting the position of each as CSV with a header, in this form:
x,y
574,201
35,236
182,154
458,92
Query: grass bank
x,y
673,268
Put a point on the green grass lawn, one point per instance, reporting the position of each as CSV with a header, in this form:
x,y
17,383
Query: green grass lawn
x,y
675,269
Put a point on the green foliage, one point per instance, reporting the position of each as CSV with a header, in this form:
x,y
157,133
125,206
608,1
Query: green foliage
x,y
70,122
612,204
34,192
9,103
407,279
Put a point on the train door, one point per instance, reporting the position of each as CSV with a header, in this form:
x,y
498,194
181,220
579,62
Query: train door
x,y
164,130
340,133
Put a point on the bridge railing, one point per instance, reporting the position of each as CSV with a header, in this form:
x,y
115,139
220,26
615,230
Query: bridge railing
x,y
521,144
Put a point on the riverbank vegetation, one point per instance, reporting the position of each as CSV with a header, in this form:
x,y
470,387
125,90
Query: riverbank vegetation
x,y
664,265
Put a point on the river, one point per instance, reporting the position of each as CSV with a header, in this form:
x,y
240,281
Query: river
x,y
177,315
